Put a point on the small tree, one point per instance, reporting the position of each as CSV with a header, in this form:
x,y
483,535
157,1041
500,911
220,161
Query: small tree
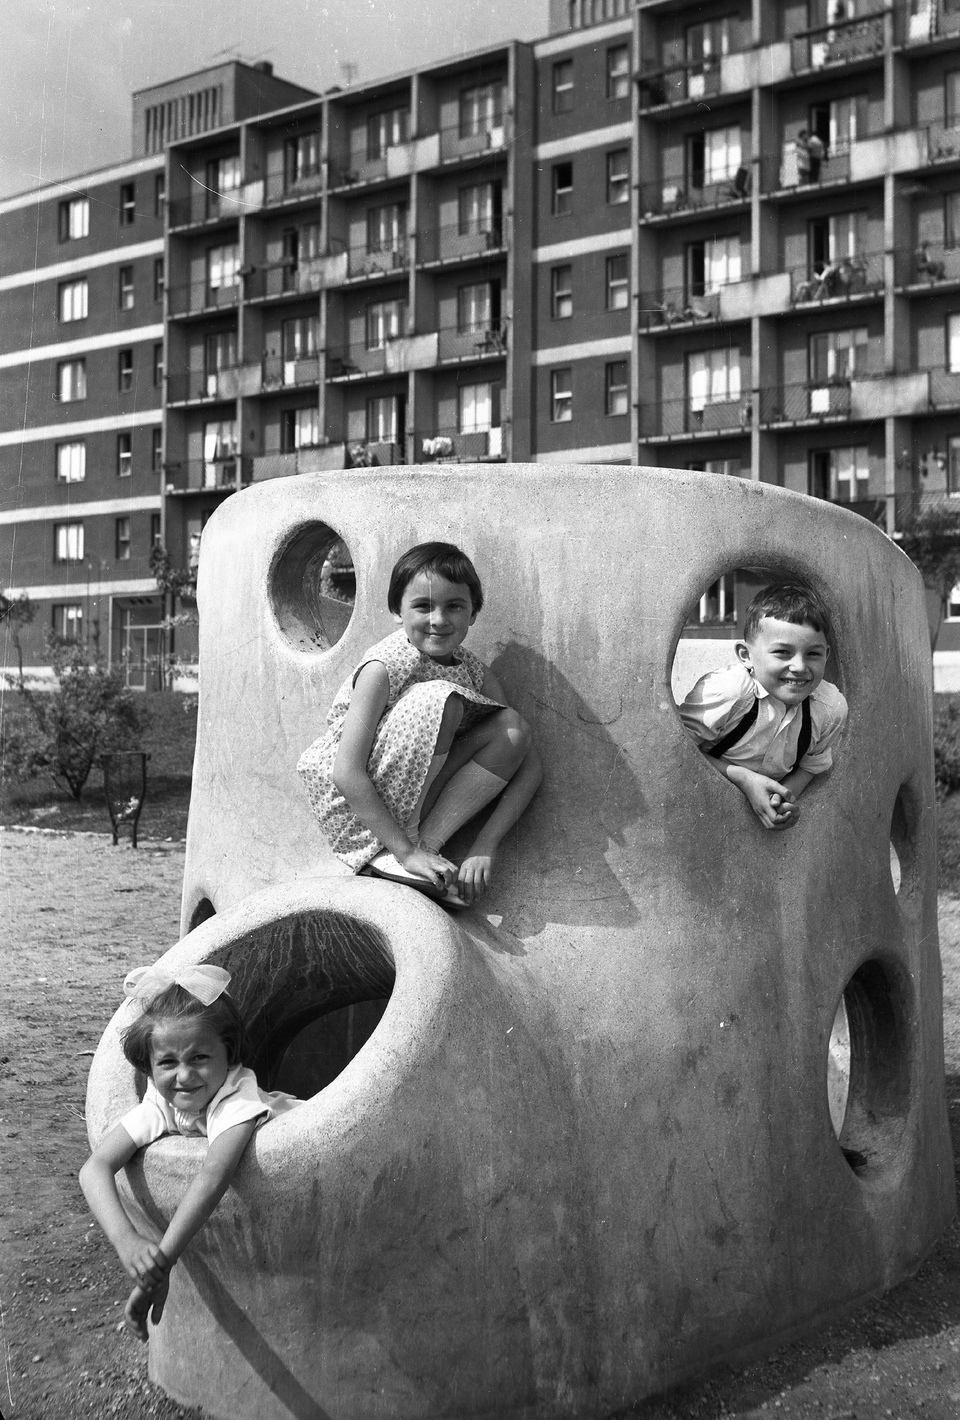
x,y
90,712
931,539
175,583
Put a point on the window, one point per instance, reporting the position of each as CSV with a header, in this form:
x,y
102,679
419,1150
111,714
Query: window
x,y
128,204
618,176
563,86
475,409
156,452
219,453
74,219
479,209
561,396
561,292
617,388
299,244
125,285
481,109
618,72
386,130
841,122
618,282
712,264
219,353
301,429
158,280
72,298
159,194
385,321
713,377
303,157
831,239
386,228
705,43
385,418
223,267
158,364
72,380
837,354
715,156
124,455
68,542
562,194
71,462
125,370
300,337
223,181
953,466
67,622
840,475
478,307
121,539
156,532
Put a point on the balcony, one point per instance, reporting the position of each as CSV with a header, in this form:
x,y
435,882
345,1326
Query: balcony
x,y
384,261
285,188
678,418
207,475
842,42
477,342
805,403
439,245
393,356
375,453
442,446
204,207
486,137
691,81
202,386
675,196
198,297
944,389
922,24
675,307
845,279
274,374
926,266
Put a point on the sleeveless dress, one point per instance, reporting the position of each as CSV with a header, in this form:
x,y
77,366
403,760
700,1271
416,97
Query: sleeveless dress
x,y
403,744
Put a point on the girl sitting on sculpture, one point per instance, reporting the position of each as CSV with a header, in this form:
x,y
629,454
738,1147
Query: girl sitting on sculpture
x,y
420,738
189,1040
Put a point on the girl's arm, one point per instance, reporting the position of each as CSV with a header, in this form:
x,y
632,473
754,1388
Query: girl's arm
x,y
142,1259
371,691
206,1189
476,868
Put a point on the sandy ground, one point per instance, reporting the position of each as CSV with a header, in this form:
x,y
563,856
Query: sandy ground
x,y
77,914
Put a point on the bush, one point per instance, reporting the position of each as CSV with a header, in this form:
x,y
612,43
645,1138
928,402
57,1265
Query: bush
x,y
946,747
65,730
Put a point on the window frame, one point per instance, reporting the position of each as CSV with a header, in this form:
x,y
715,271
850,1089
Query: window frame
x,y
64,534
125,370
561,395
618,79
562,90
159,278
128,204
77,382
70,455
156,448
58,624
561,196
614,285
68,209
125,453
468,394
561,295
126,294
67,293
618,182
121,538
616,392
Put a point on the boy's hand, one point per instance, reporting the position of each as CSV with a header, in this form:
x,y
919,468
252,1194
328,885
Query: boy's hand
x,y
773,805
476,873
144,1261
143,1302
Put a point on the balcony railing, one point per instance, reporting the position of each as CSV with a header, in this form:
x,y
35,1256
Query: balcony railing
x,y
347,361
944,389
284,187
671,418
929,264
198,296
687,80
677,194
204,205
361,262
277,373
837,43
918,24
475,343
677,307
839,280
374,453
943,141
451,244
487,136
782,173
208,475
805,403
456,446
187,385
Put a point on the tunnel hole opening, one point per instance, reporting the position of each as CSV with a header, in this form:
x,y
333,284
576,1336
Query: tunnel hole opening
x,y
868,1068
203,911
903,842
312,587
312,989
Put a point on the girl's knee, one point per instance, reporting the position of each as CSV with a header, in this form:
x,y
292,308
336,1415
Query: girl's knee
x,y
515,731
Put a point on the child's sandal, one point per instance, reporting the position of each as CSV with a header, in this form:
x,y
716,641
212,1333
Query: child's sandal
x,y
386,866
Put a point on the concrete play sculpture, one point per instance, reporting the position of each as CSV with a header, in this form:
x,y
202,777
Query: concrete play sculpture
x,y
586,1150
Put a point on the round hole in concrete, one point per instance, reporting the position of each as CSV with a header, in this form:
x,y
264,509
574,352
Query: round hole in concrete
x,y
324,1047
313,587
867,1067
203,911
903,841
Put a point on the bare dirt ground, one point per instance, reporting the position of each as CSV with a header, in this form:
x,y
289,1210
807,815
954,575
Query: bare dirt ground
x,y
77,914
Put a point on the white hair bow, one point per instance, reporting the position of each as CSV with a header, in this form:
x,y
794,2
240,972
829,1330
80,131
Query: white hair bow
x,y
203,981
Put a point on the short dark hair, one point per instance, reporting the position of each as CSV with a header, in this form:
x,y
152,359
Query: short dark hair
x,y
441,558
175,1003
787,601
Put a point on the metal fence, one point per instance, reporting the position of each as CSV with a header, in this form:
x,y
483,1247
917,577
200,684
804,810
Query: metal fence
x,y
680,194
838,280
838,43
675,306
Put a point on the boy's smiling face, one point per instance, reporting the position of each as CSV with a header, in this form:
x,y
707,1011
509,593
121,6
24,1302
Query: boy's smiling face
x,y
786,659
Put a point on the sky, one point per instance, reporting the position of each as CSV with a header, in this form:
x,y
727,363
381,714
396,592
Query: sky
x,y
71,65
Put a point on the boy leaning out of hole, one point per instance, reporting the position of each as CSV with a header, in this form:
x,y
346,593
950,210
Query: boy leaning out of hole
x,y
770,720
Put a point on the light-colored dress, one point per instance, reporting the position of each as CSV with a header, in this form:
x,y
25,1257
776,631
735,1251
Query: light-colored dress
x,y
238,1100
403,744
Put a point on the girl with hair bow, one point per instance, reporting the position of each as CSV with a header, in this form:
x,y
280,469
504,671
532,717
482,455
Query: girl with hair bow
x,y
189,1041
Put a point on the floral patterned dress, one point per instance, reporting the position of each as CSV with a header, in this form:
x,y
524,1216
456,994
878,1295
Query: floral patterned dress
x,y
403,745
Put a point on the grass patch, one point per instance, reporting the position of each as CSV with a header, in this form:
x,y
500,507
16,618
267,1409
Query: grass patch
x,y
169,740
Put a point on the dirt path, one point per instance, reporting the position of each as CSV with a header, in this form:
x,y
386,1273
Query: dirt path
x,y
77,915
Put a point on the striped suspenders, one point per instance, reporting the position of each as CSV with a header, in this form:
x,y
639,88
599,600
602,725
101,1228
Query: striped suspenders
x,y
734,736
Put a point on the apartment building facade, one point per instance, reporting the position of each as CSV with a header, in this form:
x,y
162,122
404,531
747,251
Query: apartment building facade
x,y
719,235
